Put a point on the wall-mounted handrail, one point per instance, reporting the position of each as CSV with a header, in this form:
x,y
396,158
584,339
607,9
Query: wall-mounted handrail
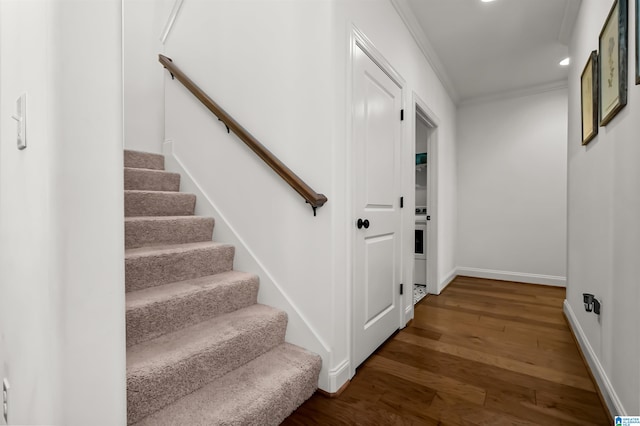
x,y
312,197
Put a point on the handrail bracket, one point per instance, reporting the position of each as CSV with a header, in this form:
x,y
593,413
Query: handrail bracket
x,y
225,125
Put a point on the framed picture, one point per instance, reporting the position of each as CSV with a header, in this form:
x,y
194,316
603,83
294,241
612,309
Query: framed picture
x,y
637,42
612,80
589,98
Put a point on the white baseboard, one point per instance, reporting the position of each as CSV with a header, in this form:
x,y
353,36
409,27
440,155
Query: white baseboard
x,y
339,375
408,312
602,381
513,276
447,280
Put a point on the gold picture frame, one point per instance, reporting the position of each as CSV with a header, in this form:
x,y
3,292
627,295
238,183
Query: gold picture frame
x,y
612,63
589,98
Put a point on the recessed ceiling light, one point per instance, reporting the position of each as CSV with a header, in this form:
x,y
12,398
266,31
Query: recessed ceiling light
x,y
487,1
565,62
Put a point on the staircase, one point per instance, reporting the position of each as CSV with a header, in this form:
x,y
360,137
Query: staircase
x,y
200,349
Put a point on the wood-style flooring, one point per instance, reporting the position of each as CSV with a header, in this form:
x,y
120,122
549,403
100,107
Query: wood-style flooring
x,y
482,353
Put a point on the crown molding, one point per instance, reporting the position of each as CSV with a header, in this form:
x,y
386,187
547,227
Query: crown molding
x,y
516,93
408,17
571,9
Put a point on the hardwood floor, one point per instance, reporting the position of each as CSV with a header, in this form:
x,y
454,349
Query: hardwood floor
x,y
482,353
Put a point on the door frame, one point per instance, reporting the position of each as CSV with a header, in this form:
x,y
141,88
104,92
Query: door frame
x,y
422,112
360,41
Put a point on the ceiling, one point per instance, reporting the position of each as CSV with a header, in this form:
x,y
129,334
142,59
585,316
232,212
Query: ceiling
x,y
487,49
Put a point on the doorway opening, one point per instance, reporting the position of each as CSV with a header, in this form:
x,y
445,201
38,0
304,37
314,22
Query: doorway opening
x,y
425,252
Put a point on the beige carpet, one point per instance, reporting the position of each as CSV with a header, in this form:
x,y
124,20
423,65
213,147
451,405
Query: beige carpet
x,y
200,349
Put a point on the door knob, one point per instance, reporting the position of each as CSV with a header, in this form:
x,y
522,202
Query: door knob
x,y
363,223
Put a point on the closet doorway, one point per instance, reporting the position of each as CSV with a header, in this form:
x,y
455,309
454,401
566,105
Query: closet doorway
x,y
425,252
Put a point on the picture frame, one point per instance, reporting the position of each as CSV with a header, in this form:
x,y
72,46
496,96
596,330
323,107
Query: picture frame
x,y
612,63
637,42
589,98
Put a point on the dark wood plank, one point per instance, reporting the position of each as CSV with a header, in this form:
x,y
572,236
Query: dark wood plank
x,y
484,352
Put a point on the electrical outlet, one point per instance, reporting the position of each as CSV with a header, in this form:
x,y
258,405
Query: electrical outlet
x,y
5,400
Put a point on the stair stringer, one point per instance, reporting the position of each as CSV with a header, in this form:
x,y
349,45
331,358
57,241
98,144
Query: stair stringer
x,y
299,330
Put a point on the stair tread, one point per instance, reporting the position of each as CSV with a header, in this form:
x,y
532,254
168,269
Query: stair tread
x,y
149,191
166,350
154,311
149,231
142,169
169,249
263,391
155,265
150,172
146,160
157,294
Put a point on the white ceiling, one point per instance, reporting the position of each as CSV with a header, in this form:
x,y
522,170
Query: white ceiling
x,y
485,49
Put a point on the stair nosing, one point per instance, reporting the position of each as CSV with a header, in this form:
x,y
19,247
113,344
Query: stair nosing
x,y
192,286
167,218
134,253
151,170
151,191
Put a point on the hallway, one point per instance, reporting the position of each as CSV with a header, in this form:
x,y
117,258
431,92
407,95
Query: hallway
x,y
483,352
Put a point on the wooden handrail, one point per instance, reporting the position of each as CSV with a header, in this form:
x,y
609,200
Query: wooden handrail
x,y
316,200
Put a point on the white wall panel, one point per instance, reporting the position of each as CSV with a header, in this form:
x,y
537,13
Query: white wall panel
x,y
512,168
61,209
603,228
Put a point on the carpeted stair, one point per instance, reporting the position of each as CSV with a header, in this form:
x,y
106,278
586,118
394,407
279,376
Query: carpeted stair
x,y
200,349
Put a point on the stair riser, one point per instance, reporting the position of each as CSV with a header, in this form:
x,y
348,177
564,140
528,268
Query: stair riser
x,y
143,160
158,204
148,322
151,180
149,271
154,232
156,389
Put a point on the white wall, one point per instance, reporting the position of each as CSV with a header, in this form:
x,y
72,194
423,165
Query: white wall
x,y
281,68
30,359
61,236
603,228
512,188
266,63
144,22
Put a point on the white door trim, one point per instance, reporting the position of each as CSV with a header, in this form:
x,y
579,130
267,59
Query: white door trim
x,y
360,41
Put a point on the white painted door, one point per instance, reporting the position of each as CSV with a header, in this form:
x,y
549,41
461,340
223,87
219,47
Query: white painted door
x,y
377,141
